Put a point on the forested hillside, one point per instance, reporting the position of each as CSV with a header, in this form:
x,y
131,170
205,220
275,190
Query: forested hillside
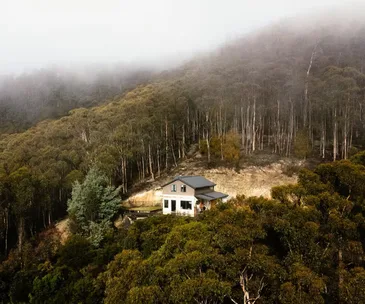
x,y
306,246
298,80
290,90
50,93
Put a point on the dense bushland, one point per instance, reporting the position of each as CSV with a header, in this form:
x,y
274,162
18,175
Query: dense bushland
x,y
289,90
306,245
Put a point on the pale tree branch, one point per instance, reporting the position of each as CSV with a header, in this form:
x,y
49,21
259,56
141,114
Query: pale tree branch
x,y
244,279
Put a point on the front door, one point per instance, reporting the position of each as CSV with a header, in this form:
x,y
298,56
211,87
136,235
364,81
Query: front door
x,y
173,206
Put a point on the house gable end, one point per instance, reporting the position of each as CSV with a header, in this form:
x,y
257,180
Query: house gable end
x,y
167,188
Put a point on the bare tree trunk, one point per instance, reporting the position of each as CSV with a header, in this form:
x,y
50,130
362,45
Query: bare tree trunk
x,y
21,227
183,142
360,111
346,129
220,130
290,128
139,169
242,130
143,168
158,162
49,218
263,133
335,151
207,135
344,148
6,229
125,175
208,146
258,132
269,133
324,139
44,219
248,129
351,134
306,101
254,125
166,145
277,139
150,162
244,280
235,121
173,155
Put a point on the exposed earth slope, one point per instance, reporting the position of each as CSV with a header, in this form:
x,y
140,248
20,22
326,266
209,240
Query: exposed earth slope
x,y
250,180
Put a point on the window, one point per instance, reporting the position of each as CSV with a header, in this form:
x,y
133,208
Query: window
x,y
166,203
185,205
173,188
183,188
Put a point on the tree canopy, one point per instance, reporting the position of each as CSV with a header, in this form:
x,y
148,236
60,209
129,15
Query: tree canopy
x,y
306,245
93,205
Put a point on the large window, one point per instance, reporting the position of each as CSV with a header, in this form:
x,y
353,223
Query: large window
x,y
185,205
173,188
166,203
183,188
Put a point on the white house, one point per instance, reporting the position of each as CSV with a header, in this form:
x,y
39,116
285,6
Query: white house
x,y
189,195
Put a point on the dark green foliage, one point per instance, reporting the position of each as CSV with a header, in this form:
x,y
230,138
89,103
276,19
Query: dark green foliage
x,y
93,206
76,253
359,158
21,286
303,246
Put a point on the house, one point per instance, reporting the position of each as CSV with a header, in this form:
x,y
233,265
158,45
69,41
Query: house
x,y
189,195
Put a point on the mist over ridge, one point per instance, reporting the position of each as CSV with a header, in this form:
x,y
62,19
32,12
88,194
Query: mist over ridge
x,y
160,33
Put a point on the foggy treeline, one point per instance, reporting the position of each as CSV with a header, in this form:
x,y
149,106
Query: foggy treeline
x,y
288,84
28,98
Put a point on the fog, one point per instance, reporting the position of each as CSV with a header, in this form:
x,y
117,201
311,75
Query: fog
x,y
41,33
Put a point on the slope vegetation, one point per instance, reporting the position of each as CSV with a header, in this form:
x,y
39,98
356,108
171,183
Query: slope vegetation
x,y
304,246
287,89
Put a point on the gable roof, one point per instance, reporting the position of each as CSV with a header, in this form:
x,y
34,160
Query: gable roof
x,y
194,182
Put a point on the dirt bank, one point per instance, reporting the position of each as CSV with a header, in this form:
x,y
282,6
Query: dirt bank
x,y
250,181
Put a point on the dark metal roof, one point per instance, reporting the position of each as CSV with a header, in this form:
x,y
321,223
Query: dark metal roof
x,y
195,182
211,196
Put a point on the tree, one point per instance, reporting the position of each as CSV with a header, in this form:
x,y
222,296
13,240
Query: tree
x,y
93,205
302,146
23,189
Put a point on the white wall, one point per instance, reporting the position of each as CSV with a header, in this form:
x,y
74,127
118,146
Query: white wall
x,y
178,199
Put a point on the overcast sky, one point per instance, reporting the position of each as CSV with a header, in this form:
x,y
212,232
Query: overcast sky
x,y
39,33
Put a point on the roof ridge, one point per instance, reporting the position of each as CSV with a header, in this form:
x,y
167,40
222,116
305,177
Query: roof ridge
x,y
194,181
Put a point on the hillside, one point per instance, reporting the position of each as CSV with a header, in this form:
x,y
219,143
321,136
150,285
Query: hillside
x,y
29,98
286,90
304,246
247,116
250,180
